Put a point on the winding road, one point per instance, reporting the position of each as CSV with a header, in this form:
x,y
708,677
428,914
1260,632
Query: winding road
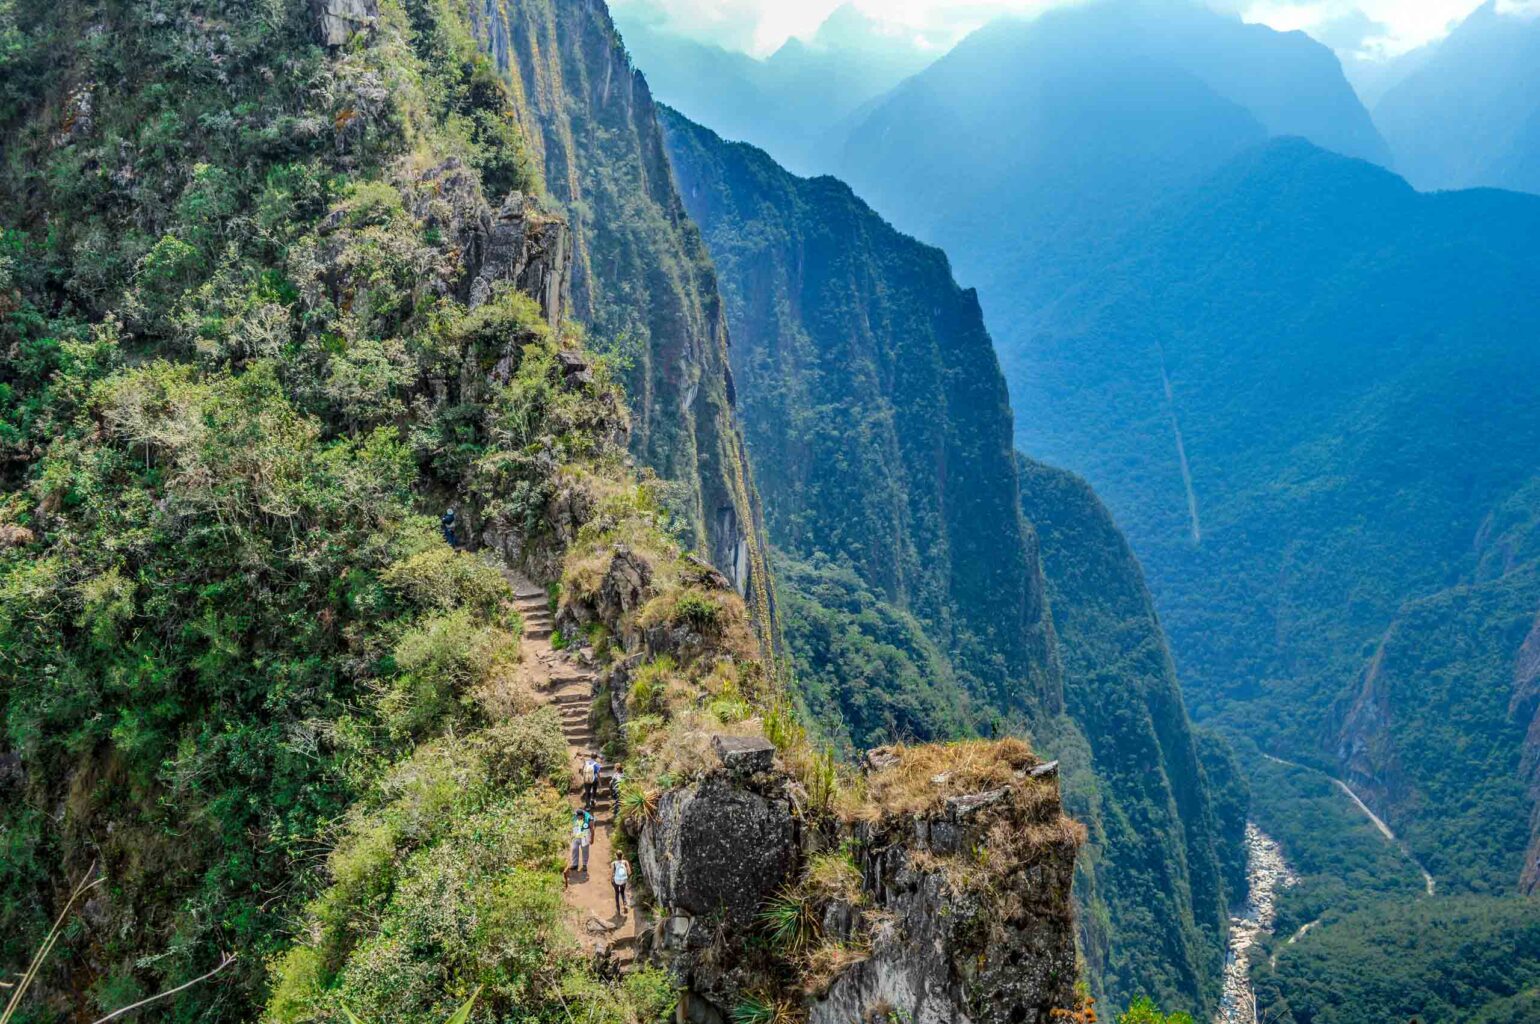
x,y
1375,818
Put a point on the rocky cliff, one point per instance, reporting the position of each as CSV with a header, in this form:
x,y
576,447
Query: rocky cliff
x,y
641,280
932,884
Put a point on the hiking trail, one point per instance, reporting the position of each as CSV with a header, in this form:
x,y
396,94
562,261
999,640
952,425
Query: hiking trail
x,y
560,679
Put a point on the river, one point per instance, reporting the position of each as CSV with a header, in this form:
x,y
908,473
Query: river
x,y
1266,875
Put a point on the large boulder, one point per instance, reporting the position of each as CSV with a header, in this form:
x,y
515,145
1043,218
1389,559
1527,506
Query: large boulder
x,y
529,247
719,849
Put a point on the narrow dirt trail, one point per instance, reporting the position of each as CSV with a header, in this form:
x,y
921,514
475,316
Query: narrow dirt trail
x,y
568,685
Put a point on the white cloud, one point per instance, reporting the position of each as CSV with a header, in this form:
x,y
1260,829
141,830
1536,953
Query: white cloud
x,y
1400,25
1379,27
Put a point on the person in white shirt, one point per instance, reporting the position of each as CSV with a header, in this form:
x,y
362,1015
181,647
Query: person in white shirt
x,y
620,878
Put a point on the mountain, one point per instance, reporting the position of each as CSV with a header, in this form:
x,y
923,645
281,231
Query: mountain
x,y
874,409
323,558
1271,361
1294,466
1093,114
792,103
917,597
1469,115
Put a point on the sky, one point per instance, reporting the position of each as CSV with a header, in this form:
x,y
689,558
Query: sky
x,y
1364,28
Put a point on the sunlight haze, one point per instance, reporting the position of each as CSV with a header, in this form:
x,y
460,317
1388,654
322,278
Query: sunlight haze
x,y
1370,28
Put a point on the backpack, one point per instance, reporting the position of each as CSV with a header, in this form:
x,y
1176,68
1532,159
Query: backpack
x,y
591,771
622,873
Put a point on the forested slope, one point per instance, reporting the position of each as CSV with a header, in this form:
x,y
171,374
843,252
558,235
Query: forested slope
x,y
266,313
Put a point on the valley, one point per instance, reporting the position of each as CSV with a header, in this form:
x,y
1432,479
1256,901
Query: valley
x,y
1036,510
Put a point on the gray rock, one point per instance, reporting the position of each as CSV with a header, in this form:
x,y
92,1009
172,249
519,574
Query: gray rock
x,y
338,20
1047,770
962,807
531,248
950,953
718,849
744,755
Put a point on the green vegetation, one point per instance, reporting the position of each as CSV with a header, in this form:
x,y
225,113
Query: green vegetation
x,y
1145,1011
245,671
1341,859
1435,961
868,673
1133,768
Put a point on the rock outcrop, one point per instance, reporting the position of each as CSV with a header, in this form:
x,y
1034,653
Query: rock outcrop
x,y
973,910
1524,706
338,20
719,849
963,909
517,242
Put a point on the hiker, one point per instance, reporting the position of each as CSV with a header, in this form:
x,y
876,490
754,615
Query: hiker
x,y
582,838
617,779
592,769
620,878
448,524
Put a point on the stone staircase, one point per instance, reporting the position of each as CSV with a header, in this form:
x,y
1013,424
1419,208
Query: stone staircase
x,y
564,682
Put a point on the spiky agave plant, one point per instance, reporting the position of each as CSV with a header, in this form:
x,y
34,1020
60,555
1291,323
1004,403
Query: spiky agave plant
x,y
790,920
763,1008
638,805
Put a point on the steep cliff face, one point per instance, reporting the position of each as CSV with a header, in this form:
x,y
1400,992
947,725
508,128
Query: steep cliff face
x,y
875,412
932,884
1152,815
1440,736
642,282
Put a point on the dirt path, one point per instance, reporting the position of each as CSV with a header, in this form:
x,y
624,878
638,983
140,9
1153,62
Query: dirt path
x,y
568,685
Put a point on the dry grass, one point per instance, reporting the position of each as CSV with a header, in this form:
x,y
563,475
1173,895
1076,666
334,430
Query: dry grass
x,y
679,748
825,962
833,877
925,776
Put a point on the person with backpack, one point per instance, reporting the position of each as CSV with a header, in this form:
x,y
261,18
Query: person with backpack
x,y
620,878
582,839
447,523
592,769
